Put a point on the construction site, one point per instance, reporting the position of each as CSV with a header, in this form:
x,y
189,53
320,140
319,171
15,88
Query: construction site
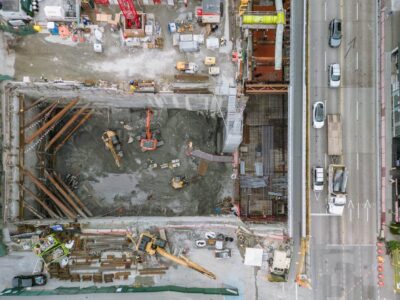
x,y
145,146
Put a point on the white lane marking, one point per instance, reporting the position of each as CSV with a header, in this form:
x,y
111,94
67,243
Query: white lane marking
x,y
367,206
350,214
351,204
357,11
325,61
358,210
316,196
357,60
350,245
323,215
357,110
325,10
358,162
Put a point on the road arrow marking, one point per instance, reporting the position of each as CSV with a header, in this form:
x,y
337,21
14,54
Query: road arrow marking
x,y
351,204
350,214
316,195
358,210
367,204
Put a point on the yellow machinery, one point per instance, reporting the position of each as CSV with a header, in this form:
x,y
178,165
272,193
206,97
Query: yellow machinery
x,y
178,182
273,19
151,245
113,144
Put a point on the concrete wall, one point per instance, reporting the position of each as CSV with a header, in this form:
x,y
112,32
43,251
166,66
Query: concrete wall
x,y
103,97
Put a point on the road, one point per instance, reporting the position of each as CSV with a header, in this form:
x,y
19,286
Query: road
x,y
343,251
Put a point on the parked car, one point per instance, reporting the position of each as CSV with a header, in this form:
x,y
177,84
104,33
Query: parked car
x,y
22,281
318,179
335,33
318,114
334,75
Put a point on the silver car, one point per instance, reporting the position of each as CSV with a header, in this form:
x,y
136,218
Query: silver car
x,y
318,114
335,33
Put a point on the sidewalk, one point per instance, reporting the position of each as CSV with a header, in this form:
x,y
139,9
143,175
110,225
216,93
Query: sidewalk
x,y
392,39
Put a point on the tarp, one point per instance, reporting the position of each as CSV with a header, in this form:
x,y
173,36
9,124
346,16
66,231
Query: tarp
x,y
119,289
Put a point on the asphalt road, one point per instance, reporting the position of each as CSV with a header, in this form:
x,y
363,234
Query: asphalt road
x,y
343,251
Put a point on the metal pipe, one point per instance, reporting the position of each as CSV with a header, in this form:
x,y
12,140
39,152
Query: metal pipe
x,y
63,208
65,195
32,210
83,120
66,126
48,109
57,117
41,202
66,187
32,105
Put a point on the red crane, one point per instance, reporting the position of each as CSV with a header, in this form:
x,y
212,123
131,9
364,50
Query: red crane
x,y
130,13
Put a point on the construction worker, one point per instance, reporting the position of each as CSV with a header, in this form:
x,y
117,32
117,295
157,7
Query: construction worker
x,y
132,86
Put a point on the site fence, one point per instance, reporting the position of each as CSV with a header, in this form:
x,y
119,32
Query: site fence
x,y
119,289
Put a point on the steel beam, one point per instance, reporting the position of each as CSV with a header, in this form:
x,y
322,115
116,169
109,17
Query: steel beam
x,y
41,202
32,210
66,126
65,195
32,105
81,122
57,201
261,88
48,109
66,187
57,117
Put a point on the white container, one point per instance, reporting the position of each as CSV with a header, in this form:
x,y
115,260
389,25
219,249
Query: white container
x,y
54,12
148,29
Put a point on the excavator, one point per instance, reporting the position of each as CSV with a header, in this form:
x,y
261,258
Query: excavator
x,y
152,245
149,143
110,139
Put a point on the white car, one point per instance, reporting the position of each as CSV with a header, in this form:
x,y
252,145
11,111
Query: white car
x,y
318,179
334,75
318,114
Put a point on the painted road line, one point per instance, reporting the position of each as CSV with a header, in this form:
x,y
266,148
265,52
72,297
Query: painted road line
x,y
350,215
357,60
323,215
358,161
350,245
358,210
357,11
357,110
325,61
325,10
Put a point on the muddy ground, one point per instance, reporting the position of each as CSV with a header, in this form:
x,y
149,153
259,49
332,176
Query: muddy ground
x,y
135,189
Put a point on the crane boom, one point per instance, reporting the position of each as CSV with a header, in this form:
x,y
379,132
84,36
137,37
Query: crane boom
x,y
151,245
183,261
131,15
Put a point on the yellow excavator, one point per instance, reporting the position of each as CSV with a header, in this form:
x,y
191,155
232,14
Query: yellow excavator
x,y
151,245
111,140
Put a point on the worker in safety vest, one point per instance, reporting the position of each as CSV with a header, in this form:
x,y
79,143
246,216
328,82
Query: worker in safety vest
x,y
132,86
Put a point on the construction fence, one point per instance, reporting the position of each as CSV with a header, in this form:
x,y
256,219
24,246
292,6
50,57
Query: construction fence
x,y
119,289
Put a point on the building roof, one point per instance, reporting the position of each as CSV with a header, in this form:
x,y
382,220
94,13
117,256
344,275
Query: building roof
x,y
211,6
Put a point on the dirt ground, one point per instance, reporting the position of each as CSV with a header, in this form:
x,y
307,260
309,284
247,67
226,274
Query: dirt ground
x,y
54,57
135,189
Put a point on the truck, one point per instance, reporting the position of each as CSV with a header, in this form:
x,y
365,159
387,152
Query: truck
x,y
187,67
337,184
334,135
281,264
